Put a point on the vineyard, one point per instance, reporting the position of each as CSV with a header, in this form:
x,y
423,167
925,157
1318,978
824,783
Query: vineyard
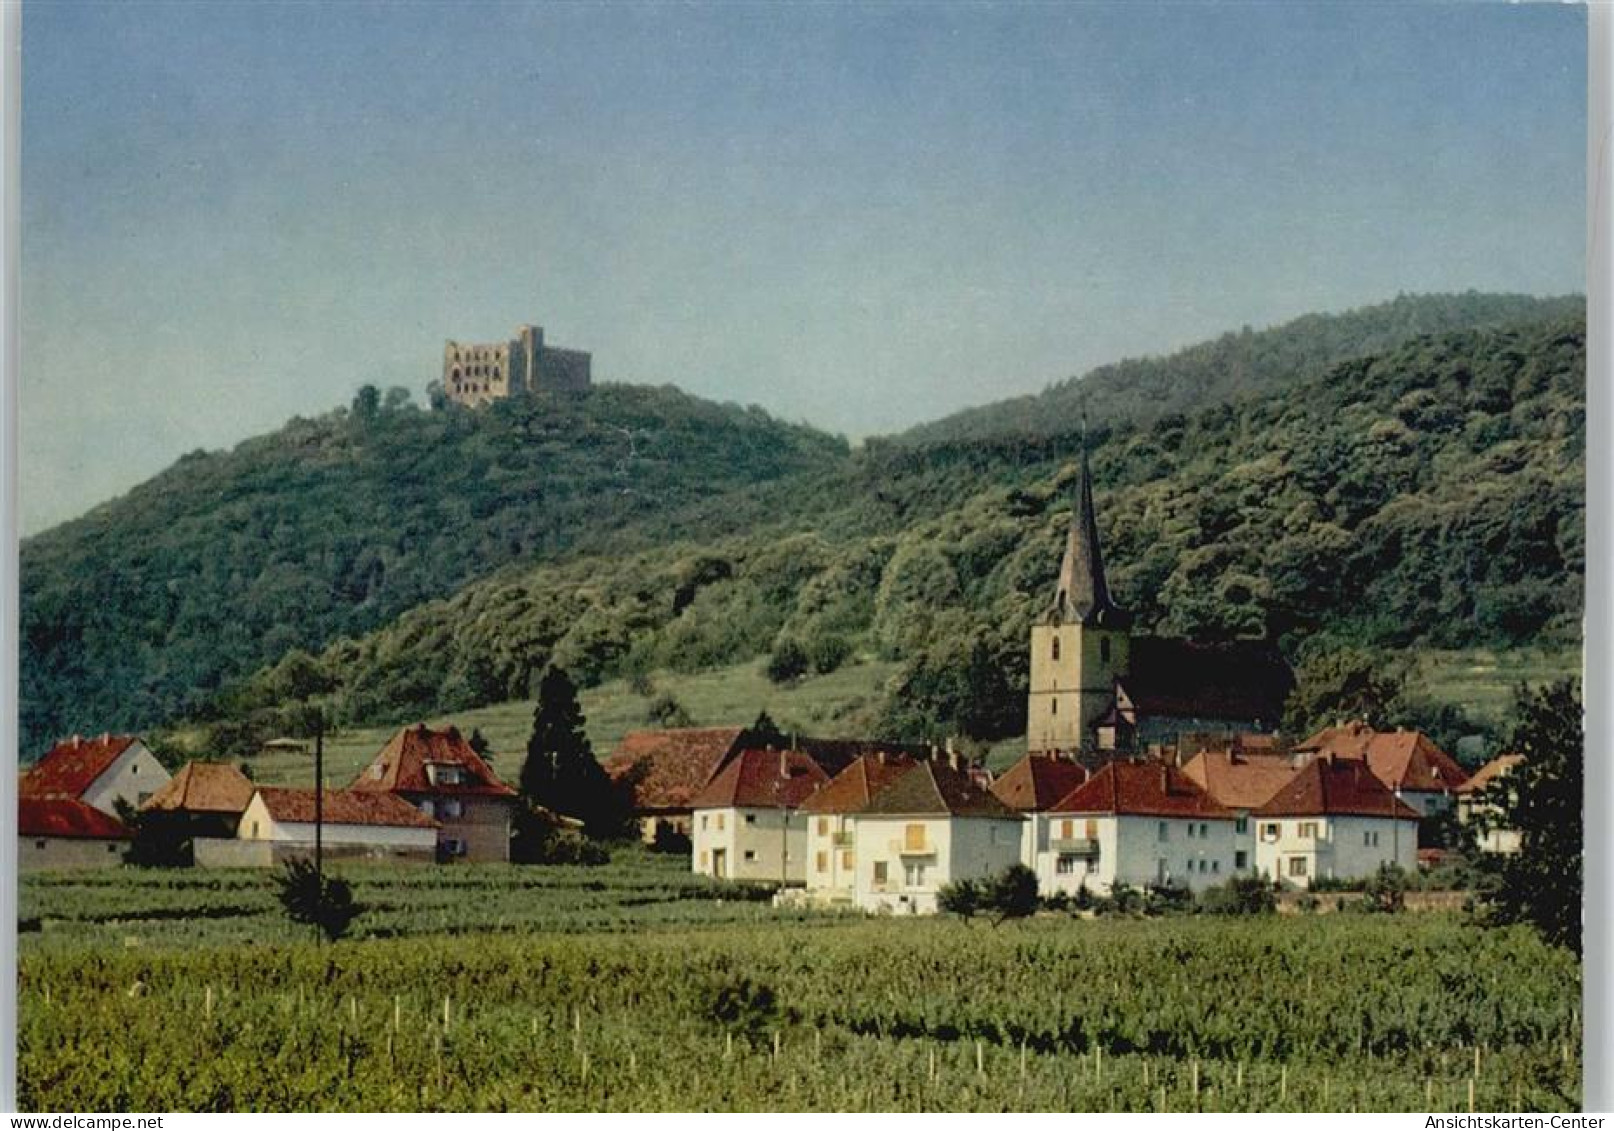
x,y
634,987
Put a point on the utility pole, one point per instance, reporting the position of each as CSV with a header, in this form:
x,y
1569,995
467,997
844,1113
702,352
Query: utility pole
x,y
319,799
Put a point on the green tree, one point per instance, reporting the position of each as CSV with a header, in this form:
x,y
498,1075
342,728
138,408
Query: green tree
x,y
1543,798
789,661
1011,894
1340,685
561,773
961,897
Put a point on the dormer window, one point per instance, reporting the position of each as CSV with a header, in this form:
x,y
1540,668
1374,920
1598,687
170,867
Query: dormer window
x,y
444,773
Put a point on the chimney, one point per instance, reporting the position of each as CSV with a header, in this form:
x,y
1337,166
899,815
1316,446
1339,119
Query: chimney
x,y
106,737
882,756
784,764
1165,778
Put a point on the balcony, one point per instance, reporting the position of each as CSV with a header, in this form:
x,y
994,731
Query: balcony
x,y
1086,847
902,846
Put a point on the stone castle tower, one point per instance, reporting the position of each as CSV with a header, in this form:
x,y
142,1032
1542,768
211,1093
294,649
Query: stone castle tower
x,y
1081,645
479,373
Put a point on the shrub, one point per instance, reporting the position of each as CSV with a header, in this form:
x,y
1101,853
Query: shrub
x,y
319,901
1241,895
1164,899
961,897
1387,890
789,661
828,653
1012,893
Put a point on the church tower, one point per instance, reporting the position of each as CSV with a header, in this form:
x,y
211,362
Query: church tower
x,y
1081,644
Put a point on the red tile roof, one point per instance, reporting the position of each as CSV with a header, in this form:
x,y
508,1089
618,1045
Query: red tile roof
x,y
1497,767
66,817
1037,781
1240,781
203,787
1336,787
343,807
400,767
1401,759
762,779
672,765
72,765
855,786
934,788
1141,789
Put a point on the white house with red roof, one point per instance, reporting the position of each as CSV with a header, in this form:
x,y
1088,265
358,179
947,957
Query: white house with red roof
x,y
1033,785
1407,761
279,824
1241,782
831,858
438,773
97,771
747,821
930,825
1480,805
1137,823
1334,820
63,832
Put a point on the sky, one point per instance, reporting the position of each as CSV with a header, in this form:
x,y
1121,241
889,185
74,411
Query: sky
x,y
859,216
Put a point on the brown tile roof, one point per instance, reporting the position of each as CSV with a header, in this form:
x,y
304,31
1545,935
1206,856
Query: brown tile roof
x,y
72,765
1037,781
1497,767
1240,781
1141,789
673,765
1177,679
1336,787
66,817
934,788
400,767
762,779
1401,759
344,807
856,785
203,787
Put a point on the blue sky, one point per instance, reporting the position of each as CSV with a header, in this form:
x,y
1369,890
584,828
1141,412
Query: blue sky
x,y
861,216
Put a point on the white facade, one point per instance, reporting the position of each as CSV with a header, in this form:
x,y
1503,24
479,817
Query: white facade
x,y
133,776
1295,851
257,824
751,844
830,858
900,863
1099,850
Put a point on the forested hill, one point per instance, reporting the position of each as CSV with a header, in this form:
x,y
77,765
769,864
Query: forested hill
x,y
1431,495
1236,365
142,609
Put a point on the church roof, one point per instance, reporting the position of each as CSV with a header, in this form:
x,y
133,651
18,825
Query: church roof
x,y
1083,596
1178,679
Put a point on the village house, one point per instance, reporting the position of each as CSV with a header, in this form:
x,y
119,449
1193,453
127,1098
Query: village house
x,y
830,856
1034,784
205,799
63,833
1478,807
1241,783
438,773
931,825
278,825
1421,773
1141,824
748,823
1094,685
1333,820
667,768
97,771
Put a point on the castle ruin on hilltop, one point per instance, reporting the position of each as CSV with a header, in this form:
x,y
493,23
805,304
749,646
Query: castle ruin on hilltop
x,y
479,373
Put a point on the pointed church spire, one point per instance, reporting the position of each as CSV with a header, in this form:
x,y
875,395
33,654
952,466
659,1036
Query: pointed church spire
x,y
1083,596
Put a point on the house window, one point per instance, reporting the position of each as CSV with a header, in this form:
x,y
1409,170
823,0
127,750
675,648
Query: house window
x,y
376,771
1053,706
112,848
703,860
750,854
823,826
750,818
1371,840
1216,865
1308,830
1204,830
1297,865
1065,866
720,822
879,873
1190,830
1092,829
821,862
452,807
39,844
1056,649
1067,829
429,807
1269,831
913,838
913,875
846,860
1092,866
1162,831
1241,825
1241,859
254,830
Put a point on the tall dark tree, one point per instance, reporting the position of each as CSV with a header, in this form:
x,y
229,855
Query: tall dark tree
x,y
561,773
1543,799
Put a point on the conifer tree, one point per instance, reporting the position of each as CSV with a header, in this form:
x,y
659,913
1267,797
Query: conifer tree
x,y
561,773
